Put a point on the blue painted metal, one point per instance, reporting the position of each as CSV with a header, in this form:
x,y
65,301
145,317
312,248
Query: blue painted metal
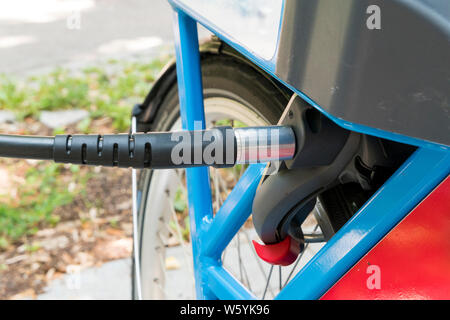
x,y
211,279
190,92
416,178
233,213
208,244
422,172
269,67
225,286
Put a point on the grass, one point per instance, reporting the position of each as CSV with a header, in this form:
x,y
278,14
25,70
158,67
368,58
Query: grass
x,y
108,91
40,194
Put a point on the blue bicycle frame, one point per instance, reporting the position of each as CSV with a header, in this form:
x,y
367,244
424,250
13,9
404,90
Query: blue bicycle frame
x,y
416,178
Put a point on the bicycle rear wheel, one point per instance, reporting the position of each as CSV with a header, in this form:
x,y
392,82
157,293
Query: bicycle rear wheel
x,y
234,94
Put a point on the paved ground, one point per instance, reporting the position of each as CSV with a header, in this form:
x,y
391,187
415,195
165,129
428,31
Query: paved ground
x,y
111,281
38,35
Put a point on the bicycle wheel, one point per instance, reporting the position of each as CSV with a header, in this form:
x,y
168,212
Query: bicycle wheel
x,y
234,94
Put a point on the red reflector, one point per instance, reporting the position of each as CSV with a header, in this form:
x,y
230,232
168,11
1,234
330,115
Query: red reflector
x,y
282,253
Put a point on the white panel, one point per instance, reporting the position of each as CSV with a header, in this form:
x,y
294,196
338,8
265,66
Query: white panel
x,y
253,24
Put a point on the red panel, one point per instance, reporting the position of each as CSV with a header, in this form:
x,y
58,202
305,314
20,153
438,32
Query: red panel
x,y
412,261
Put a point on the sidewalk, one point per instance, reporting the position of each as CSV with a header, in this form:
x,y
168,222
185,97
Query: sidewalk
x,y
54,33
73,33
111,281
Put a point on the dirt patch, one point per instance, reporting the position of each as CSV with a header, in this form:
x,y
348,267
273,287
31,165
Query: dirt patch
x,y
85,237
95,227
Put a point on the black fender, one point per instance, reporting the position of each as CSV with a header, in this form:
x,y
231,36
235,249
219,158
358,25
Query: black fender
x,y
147,110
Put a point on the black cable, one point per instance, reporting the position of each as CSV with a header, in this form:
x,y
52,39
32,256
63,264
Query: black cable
x,y
142,150
26,147
217,147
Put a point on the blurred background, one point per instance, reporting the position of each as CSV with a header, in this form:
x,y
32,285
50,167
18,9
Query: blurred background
x,y
72,66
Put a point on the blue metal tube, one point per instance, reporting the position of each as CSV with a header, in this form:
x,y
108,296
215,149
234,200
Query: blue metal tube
x,y
225,286
233,213
416,178
190,92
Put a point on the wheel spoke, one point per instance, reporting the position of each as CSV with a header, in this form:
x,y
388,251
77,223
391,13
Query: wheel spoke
x,y
163,290
268,282
238,247
223,185
162,266
280,278
258,260
179,173
244,269
224,253
298,260
217,195
314,238
180,235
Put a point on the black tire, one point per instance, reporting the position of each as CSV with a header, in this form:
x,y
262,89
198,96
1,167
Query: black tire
x,y
223,76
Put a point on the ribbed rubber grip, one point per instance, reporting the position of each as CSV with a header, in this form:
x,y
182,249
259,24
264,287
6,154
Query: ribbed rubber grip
x,y
218,147
143,150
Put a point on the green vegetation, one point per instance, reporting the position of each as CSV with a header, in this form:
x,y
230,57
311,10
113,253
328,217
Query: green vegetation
x,y
40,194
107,91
